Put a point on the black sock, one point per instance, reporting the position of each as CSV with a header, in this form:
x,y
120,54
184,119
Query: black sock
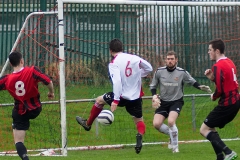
x,y
21,150
218,151
217,143
220,156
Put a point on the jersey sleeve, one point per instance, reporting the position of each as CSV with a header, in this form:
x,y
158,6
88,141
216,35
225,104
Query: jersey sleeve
x,y
218,79
40,77
114,72
155,80
187,78
2,82
146,68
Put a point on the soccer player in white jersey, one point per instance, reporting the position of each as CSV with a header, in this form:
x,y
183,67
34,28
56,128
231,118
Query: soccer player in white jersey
x,y
126,71
170,80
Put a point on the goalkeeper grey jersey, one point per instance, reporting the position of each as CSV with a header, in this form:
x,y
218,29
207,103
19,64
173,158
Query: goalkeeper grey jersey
x,y
171,82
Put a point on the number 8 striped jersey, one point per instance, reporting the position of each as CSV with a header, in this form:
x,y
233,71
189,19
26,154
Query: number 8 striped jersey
x,y
126,71
23,87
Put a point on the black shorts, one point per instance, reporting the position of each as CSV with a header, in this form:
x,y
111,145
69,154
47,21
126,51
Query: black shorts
x,y
167,106
221,115
21,122
133,107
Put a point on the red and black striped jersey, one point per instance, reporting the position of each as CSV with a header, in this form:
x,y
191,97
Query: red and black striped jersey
x,y
23,87
226,82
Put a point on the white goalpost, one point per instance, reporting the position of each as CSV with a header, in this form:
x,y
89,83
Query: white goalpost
x,y
70,45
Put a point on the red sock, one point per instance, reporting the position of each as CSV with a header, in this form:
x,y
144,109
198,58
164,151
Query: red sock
x,y
141,127
96,109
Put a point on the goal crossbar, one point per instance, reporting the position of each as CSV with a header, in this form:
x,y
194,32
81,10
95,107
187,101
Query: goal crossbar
x,y
161,3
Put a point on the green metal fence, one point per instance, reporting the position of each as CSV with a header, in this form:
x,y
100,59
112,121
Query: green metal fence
x,y
149,31
12,16
146,30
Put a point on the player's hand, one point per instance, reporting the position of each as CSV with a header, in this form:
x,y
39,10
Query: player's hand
x,y
209,74
50,95
156,101
212,97
205,88
113,106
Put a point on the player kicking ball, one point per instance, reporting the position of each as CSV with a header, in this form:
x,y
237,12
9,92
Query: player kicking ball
x,y
126,72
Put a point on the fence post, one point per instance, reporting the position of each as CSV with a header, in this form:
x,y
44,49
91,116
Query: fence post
x,y
97,128
193,113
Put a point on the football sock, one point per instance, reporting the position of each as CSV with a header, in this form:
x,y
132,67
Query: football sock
x,y
217,150
164,129
21,150
96,109
220,156
141,127
173,131
214,138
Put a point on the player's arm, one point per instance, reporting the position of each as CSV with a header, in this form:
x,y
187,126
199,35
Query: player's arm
x,y
116,80
41,77
146,67
218,81
156,98
190,80
51,90
154,83
3,80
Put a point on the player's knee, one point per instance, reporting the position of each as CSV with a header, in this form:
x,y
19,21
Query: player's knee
x,y
171,123
156,124
100,100
203,131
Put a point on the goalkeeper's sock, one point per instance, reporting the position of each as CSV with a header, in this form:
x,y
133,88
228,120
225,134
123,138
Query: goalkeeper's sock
x,y
214,138
21,150
96,109
141,127
173,131
164,129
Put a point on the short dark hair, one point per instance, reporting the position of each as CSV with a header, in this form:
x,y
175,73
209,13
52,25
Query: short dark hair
x,y
116,45
15,58
218,44
170,53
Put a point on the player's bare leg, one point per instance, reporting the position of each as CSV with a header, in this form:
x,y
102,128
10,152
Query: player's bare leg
x,y
19,136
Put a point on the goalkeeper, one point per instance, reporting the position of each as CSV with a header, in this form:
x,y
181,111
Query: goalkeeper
x,y
169,104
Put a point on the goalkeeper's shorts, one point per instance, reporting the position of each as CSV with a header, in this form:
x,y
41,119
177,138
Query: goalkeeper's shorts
x,y
167,106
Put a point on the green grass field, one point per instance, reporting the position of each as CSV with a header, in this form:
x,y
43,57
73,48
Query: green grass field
x,y
196,151
45,131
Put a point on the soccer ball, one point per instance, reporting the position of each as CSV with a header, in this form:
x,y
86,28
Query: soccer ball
x,y
106,117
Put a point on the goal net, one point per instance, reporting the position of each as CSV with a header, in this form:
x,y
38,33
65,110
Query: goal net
x,y
71,45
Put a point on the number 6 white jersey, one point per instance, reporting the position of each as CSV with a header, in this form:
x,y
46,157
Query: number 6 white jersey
x,y
126,71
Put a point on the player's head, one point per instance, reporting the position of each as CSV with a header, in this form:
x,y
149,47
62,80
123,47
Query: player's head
x,y
15,58
216,47
171,59
115,46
